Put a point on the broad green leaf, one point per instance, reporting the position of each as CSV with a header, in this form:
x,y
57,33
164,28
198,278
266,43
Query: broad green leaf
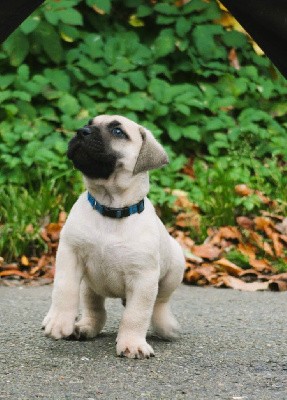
x,y
122,64
160,90
61,146
94,68
194,5
58,78
234,39
174,131
94,45
17,47
144,11
205,41
6,80
166,9
22,95
279,109
23,72
159,110
4,95
68,104
100,6
70,16
51,16
10,109
30,24
183,26
164,43
182,108
69,33
191,132
50,42
138,79
116,83
165,20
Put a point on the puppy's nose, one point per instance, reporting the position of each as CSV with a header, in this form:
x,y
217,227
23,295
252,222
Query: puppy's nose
x,y
84,131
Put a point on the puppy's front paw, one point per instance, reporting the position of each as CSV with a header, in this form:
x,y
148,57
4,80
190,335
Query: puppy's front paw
x,y
59,325
133,347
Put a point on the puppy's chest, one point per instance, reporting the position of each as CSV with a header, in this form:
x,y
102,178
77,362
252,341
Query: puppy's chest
x,y
106,264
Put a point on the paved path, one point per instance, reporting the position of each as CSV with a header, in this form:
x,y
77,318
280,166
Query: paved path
x,y
233,346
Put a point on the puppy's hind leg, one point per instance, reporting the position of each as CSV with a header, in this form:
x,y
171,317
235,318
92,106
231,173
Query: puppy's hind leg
x,y
163,321
93,314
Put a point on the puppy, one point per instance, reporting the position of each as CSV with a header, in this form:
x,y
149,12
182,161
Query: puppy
x,y
113,244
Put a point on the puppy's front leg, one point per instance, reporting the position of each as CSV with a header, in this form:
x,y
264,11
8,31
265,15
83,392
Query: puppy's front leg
x,y
140,299
60,320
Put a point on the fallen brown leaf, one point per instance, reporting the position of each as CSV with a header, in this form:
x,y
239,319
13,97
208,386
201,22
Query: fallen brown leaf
x,y
243,190
14,272
188,168
247,249
233,59
230,233
238,284
283,238
272,215
229,267
183,239
281,277
262,265
277,244
282,227
24,261
265,200
249,275
261,223
262,244
188,219
245,222
209,272
206,251
277,286
191,276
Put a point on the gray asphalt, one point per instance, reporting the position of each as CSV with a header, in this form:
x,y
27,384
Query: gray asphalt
x,y
233,346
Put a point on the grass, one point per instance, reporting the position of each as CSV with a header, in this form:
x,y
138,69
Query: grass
x,y
24,211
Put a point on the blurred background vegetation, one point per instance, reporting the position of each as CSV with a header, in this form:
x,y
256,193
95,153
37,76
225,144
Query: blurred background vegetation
x,y
184,69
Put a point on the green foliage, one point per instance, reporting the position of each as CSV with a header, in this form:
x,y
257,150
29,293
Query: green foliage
x,y
238,258
280,265
214,187
162,65
74,59
23,212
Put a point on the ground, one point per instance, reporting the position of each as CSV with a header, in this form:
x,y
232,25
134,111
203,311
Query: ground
x,y
233,346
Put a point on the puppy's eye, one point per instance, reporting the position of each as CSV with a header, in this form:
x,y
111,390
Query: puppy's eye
x,y
119,133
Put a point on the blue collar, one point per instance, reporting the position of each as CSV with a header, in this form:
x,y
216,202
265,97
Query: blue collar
x,y
116,212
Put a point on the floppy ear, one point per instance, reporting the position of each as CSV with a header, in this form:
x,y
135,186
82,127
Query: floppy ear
x,y
151,155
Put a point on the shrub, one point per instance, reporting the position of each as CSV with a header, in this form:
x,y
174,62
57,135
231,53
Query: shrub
x,y
161,64
197,85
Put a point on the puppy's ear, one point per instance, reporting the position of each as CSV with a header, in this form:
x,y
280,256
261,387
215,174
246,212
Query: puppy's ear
x,y
151,155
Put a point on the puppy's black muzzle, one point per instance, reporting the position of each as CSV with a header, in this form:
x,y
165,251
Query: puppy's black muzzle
x,y
91,153
85,131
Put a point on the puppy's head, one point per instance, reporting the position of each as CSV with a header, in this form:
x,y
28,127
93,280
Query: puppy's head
x,y
112,143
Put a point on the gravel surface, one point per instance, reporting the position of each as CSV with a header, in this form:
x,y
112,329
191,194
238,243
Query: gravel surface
x,y
233,346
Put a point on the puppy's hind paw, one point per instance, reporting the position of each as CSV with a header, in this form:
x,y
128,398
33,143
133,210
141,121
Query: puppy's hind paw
x,y
88,328
168,329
